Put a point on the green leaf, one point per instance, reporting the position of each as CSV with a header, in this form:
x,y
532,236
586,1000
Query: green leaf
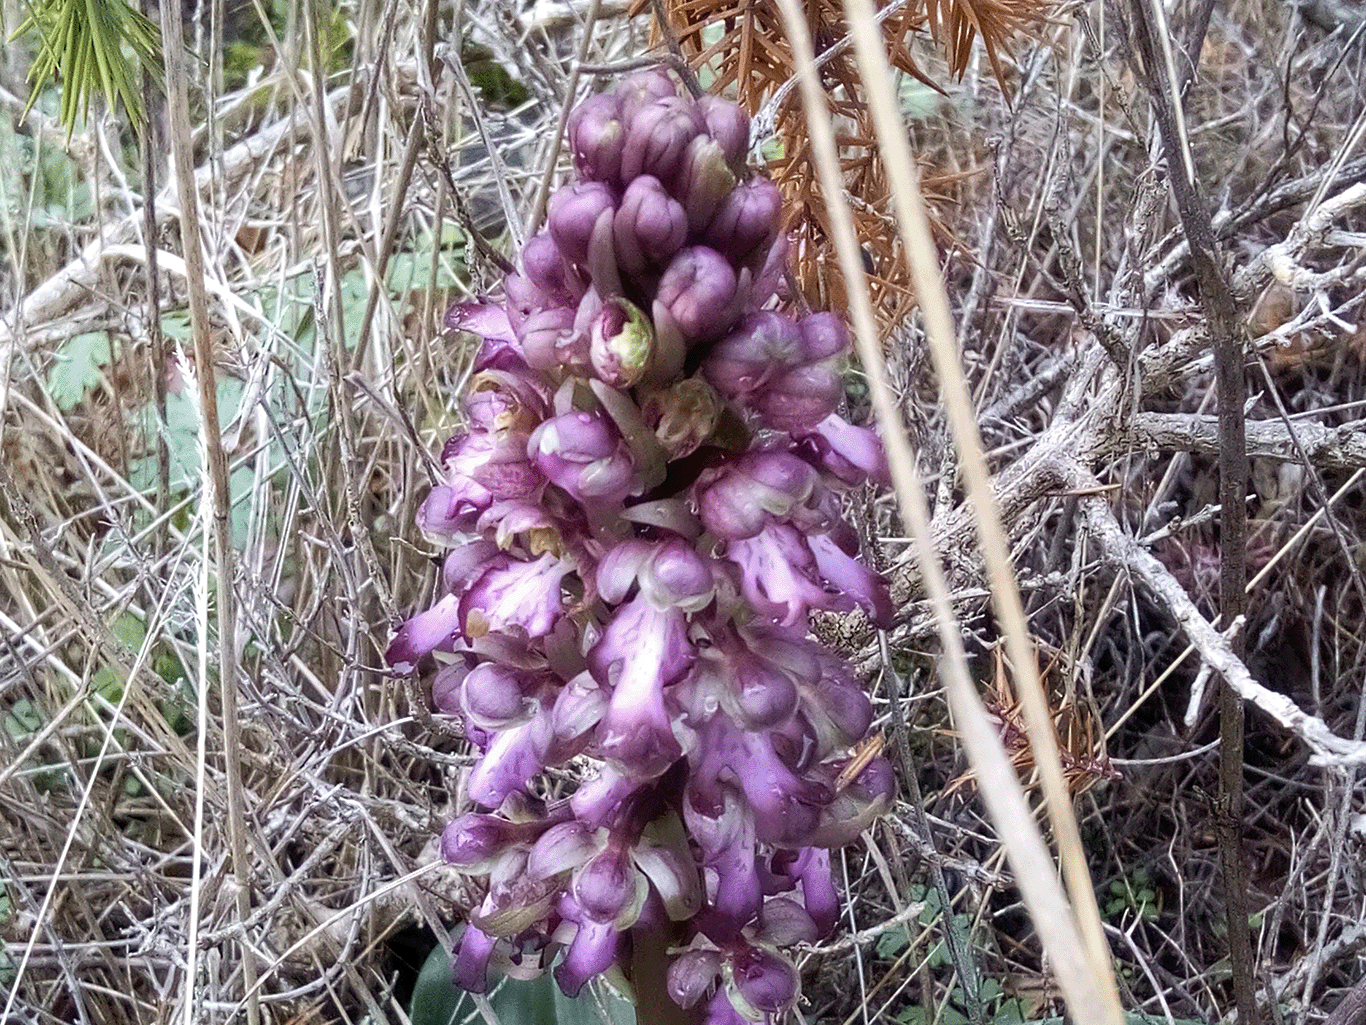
x,y
438,1001
79,367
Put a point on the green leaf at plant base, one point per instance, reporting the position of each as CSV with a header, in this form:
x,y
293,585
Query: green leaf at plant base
x,y
438,1001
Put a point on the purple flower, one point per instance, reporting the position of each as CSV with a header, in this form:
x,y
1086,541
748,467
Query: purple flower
x,y
850,454
584,454
643,509
642,651
514,594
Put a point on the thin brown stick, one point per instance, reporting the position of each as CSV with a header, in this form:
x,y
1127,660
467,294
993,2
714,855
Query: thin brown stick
x,y
1221,311
177,104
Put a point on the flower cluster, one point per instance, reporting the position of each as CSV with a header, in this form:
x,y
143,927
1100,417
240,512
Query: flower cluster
x,y
644,510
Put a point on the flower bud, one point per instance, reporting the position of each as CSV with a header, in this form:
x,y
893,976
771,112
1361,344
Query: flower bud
x,y
784,922
573,213
760,982
857,806
705,179
496,697
596,137
584,454
544,266
762,345
685,415
549,339
621,343
641,88
699,292
446,688
728,124
746,222
798,400
609,889
656,136
562,848
824,336
692,974
474,841
649,227
739,500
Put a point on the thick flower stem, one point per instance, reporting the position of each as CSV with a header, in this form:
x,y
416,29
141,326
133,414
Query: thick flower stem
x,y
649,963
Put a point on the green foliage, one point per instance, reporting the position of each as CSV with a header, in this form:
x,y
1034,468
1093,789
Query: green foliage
x,y
500,91
438,1001
93,46
1135,895
79,367
1000,1009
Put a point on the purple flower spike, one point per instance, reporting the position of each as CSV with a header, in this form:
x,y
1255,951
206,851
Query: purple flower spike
x,y
649,227
585,455
760,983
642,510
574,213
699,293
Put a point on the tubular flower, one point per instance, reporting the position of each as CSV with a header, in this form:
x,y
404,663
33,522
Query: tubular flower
x,y
644,511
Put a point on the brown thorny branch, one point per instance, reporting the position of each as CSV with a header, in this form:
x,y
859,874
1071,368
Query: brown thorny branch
x,y
752,60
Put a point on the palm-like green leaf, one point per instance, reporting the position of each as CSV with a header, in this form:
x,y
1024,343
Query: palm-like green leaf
x,y
92,46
